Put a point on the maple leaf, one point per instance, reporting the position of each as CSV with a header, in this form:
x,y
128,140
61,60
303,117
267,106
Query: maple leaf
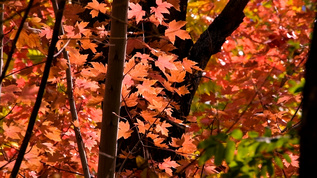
x,y
71,12
159,142
162,8
102,31
54,134
87,84
131,101
187,146
189,65
163,128
146,86
11,131
182,90
176,76
87,44
142,127
99,66
175,142
174,29
75,57
80,27
139,72
165,61
149,116
294,161
167,165
124,130
28,94
175,3
96,7
90,143
136,11
125,154
49,148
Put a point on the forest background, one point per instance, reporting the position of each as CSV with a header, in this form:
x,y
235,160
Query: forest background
x,y
210,87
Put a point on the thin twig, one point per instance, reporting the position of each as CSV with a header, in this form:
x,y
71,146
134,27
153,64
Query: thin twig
x,y
73,110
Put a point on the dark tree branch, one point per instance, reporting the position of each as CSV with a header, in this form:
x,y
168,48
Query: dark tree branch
x,y
308,134
40,94
210,42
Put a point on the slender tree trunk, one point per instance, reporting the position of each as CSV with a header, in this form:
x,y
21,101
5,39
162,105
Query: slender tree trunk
x,y
112,99
72,104
308,132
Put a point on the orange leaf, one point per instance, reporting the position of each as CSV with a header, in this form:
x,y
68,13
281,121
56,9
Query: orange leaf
x,y
175,3
96,7
174,30
165,61
162,128
75,57
149,116
142,127
87,44
125,154
131,101
89,143
124,130
54,134
161,9
167,165
146,86
189,65
181,90
11,131
176,76
187,145
99,66
158,143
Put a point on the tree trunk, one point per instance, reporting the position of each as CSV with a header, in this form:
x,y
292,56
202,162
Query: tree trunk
x,y
308,132
112,99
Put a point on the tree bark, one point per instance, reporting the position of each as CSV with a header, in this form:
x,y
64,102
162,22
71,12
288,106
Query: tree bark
x,y
308,132
112,99
210,42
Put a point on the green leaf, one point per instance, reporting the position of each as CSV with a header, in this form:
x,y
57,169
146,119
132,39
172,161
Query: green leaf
x,y
287,158
278,162
229,154
253,134
206,156
219,155
268,132
237,134
270,168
